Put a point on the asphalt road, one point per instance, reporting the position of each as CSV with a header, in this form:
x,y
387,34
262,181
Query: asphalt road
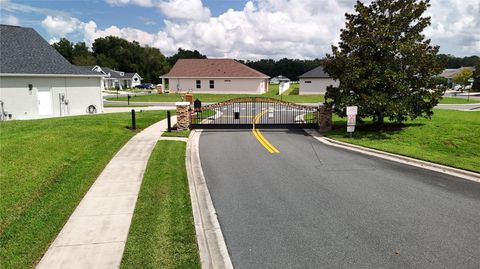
x,y
316,206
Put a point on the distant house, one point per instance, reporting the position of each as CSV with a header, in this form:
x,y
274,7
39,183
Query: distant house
x,y
450,73
279,79
36,81
315,81
214,76
114,78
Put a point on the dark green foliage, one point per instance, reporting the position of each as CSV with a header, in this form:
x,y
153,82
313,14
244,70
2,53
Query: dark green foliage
x,y
65,48
291,68
457,62
476,77
384,64
118,54
185,54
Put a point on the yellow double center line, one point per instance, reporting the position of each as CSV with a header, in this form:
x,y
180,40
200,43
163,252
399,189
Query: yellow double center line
x,y
258,135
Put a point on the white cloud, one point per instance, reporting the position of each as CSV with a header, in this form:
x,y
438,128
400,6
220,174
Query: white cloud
x,y
185,10
60,25
272,28
10,20
143,3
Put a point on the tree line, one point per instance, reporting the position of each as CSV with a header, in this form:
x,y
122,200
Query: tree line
x,y
150,63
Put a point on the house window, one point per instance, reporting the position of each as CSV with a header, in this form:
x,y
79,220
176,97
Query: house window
x,y
212,84
308,81
227,80
198,84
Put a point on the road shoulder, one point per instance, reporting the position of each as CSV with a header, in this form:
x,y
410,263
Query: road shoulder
x,y
211,243
472,176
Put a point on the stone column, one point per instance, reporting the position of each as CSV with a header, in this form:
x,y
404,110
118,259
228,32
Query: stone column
x,y
325,120
183,116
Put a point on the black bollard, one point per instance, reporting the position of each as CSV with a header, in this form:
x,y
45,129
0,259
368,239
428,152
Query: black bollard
x,y
134,123
169,122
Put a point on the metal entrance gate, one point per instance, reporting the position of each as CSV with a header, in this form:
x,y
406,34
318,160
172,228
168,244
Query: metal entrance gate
x,y
259,112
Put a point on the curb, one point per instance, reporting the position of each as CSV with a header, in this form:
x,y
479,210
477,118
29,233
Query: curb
x,y
211,244
472,176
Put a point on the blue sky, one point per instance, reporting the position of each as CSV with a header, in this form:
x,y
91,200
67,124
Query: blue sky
x,y
229,28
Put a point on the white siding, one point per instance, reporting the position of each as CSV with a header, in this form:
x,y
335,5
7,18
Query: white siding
x,y
316,85
222,85
23,104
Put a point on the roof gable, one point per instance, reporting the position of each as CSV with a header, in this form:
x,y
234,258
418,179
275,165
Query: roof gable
x,y
197,68
315,73
24,51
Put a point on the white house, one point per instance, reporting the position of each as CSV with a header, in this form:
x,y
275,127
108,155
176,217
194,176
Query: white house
x,y
36,81
215,76
279,79
114,78
315,81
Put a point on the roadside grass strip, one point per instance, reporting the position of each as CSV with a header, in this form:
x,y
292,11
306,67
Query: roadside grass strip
x,y
46,168
450,138
162,233
259,136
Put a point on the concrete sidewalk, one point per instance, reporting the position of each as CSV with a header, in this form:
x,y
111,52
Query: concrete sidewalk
x,y
96,232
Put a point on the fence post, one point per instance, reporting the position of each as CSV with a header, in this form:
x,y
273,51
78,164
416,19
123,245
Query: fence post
x,y
134,123
325,118
183,115
169,122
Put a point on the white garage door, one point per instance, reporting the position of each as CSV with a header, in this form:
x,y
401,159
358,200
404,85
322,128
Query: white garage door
x,y
44,101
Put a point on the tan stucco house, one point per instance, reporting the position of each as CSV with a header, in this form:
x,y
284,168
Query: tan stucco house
x,y
315,81
214,76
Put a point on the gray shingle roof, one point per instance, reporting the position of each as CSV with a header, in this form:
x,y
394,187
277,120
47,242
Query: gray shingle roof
x,y
315,73
24,51
117,74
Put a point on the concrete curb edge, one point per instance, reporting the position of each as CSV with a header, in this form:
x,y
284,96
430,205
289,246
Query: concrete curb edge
x,y
472,176
211,243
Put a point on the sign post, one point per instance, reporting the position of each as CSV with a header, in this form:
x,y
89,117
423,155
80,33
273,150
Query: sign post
x,y
352,119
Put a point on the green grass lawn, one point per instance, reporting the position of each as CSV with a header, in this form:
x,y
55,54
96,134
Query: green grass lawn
x,y
121,105
457,100
174,133
451,138
46,168
162,234
215,98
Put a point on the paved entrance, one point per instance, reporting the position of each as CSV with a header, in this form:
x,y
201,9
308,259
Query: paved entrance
x,y
316,206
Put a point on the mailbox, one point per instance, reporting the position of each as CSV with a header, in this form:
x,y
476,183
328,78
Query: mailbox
x,y
237,115
197,105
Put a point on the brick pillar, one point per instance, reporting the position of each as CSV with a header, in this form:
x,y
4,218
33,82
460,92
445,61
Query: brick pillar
x,y
183,115
325,121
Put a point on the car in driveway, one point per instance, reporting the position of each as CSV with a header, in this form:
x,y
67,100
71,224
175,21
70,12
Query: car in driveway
x,y
145,86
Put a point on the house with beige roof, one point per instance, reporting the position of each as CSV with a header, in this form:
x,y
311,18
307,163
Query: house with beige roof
x,y
214,76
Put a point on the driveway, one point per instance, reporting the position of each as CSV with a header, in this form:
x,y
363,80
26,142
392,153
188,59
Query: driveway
x,y
315,206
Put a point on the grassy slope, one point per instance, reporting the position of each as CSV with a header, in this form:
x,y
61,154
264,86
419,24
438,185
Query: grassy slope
x,y
45,169
457,100
162,234
451,138
214,98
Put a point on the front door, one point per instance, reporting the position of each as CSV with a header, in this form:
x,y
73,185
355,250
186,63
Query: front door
x,y
44,101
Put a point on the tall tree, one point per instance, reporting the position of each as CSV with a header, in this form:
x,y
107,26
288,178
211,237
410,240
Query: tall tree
x,y
462,77
185,54
64,47
476,77
81,55
384,64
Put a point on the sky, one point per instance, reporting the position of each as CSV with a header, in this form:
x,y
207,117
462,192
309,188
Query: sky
x,y
240,29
